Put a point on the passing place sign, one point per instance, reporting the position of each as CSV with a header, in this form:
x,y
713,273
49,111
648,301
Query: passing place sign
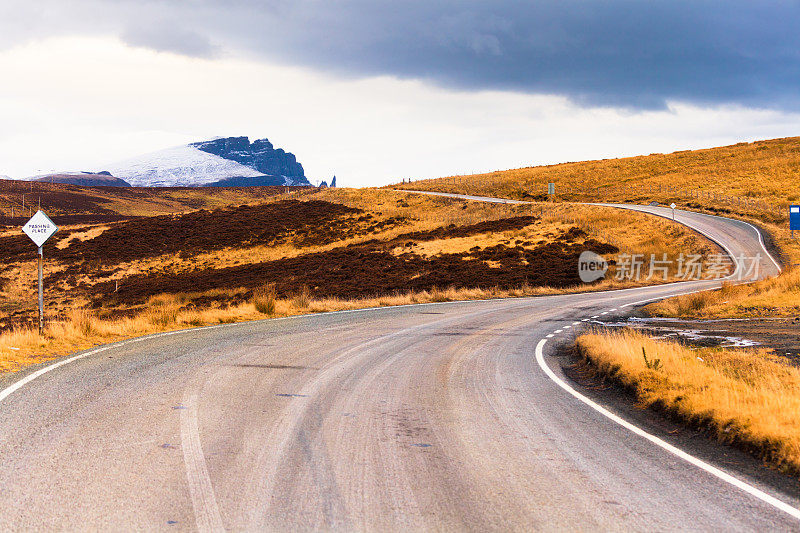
x,y
39,228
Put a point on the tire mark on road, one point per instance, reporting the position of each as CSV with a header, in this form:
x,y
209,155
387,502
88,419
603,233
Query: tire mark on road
x,y
204,502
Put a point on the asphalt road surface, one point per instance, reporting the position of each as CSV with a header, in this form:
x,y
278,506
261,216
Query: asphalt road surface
x,y
452,416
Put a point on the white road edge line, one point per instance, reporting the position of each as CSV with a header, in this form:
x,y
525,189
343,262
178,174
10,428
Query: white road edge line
x,y
724,476
11,389
206,510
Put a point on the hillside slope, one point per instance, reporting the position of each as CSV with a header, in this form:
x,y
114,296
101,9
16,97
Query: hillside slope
x,y
756,179
83,179
77,204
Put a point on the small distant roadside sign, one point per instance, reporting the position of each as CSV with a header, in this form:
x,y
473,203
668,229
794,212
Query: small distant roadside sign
x,y
673,206
794,218
551,188
40,228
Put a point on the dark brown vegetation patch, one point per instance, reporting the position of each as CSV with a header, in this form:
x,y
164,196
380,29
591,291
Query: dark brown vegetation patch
x,y
65,200
54,200
16,247
309,223
362,271
452,231
65,220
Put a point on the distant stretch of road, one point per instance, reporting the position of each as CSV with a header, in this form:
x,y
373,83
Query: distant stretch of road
x,y
452,416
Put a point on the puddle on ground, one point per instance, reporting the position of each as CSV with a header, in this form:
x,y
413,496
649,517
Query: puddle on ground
x,y
697,337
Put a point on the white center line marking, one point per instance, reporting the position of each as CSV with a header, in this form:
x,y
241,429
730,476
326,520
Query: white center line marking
x,y
576,322
558,331
567,327
550,336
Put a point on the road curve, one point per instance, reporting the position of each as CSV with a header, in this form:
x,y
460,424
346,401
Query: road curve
x,y
435,416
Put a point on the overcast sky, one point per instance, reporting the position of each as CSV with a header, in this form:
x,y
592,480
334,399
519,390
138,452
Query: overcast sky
x,y
378,91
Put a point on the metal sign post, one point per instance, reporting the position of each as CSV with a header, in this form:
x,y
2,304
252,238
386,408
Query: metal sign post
x,y
41,291
794,218
40,228
551,188
673,206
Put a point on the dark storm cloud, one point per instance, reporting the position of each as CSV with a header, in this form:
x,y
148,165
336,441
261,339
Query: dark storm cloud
x,y
629,53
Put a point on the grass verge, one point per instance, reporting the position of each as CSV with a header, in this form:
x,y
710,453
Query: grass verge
x,y
773,297
745,397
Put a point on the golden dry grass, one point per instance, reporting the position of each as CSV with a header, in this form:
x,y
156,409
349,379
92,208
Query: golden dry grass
x,y
264,299
748,397
630,231
774,297
759,171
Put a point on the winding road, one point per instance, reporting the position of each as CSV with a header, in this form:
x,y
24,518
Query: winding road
x,y
450,416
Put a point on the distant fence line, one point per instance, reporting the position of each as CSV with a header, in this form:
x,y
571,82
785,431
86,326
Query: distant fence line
x,y
461,185
11,208
745,202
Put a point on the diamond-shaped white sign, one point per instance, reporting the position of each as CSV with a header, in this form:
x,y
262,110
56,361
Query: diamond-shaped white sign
x,y
39,228
672,205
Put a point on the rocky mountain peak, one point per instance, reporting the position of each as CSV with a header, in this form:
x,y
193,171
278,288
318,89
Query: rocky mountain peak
x,y
260,155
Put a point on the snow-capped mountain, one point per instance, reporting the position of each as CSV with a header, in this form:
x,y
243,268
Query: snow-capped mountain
x,y
230,161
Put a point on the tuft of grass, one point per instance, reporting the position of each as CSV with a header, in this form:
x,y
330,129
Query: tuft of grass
x,y
655,364
302,299
83,321
162,316
439,295
747,397
264,299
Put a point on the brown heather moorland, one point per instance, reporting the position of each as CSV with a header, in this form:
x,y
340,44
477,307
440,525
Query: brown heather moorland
x,y
312,251
754,181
